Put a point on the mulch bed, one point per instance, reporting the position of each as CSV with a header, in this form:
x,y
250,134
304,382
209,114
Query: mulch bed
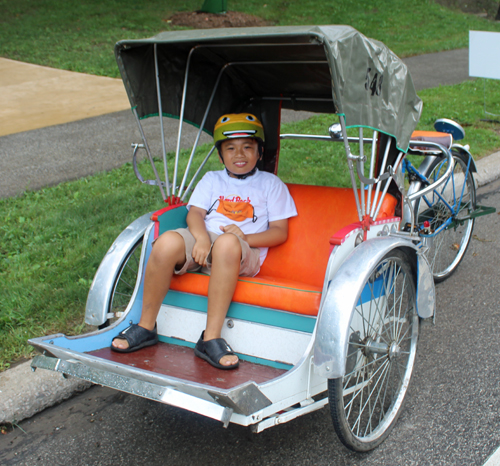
x,y
231,19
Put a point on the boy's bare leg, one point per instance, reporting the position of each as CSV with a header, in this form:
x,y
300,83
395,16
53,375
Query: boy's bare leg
x,y
168,252
226,258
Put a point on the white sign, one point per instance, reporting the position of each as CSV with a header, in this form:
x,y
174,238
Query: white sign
x,y
484,54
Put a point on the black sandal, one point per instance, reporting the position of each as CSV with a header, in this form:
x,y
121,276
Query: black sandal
x,y
213,351
137,338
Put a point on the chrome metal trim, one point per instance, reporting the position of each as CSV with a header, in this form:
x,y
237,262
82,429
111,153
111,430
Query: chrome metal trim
x,y
440,181
426,291
317,137
289,415
246,400
393,172
162,393
361,166
148,151
100,291
350,165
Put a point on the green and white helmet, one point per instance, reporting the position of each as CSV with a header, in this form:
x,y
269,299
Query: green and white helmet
x,y
238,125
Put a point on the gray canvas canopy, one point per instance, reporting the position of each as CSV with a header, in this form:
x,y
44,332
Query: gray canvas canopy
x,y
327,69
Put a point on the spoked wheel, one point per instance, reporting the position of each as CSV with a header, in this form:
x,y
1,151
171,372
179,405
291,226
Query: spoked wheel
x,y
448,246
366,402
124,285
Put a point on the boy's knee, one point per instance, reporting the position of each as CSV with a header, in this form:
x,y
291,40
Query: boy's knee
x,y
227,245
168,244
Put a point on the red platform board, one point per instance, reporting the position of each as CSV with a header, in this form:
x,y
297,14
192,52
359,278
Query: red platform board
x,y
180,362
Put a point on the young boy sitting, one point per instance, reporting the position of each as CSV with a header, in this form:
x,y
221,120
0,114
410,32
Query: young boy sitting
x,y
234,216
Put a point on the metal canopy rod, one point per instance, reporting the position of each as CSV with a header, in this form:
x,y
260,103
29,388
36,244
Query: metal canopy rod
x,y
202,125
386,186
160,112
183,102
146,146
362,163
181,117
372,169
299,99
261,44
350,165
205,116
197,173
281,62
317,137
382,170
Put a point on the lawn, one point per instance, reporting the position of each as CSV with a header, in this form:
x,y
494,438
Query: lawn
x,y
52,240
79,36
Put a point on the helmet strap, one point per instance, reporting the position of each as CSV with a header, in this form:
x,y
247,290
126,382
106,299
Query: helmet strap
x,y
245,175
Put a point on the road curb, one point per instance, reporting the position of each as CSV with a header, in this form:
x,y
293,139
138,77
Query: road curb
x,y
24,393
488,169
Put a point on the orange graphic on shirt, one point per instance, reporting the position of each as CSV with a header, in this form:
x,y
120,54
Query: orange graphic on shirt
x,y
237,211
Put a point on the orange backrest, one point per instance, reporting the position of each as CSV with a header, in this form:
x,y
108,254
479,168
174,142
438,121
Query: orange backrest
x,y
304,256
322,211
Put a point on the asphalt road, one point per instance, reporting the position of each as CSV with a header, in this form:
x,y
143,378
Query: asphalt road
x,y
48,156
451,415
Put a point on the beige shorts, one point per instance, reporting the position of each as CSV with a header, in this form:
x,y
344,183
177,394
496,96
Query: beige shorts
x,y
250,257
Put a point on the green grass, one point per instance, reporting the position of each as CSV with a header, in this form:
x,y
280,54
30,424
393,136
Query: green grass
x,y
53,240
51,243
466,103
79,36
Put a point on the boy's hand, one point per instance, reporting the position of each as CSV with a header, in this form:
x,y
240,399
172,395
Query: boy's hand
x,y
200,251
235,230
196,223
274,236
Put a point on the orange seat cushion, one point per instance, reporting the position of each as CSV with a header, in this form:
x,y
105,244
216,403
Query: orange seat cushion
x,y
291,278
445,139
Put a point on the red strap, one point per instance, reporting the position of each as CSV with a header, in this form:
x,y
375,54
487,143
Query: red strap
x,y
365,225
173,200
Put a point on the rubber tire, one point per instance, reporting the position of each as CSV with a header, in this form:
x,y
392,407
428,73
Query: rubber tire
x,y
357,359
451,239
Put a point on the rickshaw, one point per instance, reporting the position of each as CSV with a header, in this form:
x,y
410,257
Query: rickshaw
x,y
333,316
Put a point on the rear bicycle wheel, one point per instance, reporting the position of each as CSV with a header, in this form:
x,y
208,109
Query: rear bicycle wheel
x,y
383,334
447,248
124,285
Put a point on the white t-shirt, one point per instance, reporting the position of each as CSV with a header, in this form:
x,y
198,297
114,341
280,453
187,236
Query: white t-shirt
x,y
250,203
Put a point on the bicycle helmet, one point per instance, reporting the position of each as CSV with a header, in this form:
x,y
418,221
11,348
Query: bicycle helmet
x,y
238,125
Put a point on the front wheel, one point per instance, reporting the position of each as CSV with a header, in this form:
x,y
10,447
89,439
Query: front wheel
x,y
448,209
383,334
124,285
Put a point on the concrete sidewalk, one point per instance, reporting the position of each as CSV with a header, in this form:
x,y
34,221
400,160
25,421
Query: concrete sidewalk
x,y
59,125
33,96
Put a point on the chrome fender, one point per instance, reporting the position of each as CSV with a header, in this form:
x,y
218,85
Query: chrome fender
x,y
102,286
332,331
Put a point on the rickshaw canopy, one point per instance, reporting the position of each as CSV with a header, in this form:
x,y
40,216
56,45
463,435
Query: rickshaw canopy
x,y
203,74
